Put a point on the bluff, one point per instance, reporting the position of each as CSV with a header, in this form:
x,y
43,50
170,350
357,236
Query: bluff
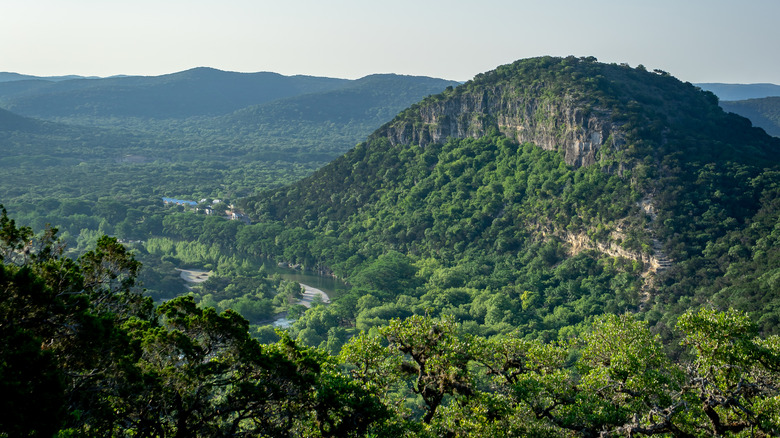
x,y
553,108
589,112
553,123
592,187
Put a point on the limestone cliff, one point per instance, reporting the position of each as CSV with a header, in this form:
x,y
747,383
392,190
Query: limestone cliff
x,y
551,122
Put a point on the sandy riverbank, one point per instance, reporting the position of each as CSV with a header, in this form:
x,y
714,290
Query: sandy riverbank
x,y
193,276
309,293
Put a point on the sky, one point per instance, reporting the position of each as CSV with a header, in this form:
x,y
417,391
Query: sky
x,y
694,40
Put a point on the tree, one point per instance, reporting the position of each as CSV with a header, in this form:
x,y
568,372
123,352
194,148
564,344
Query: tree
x,y
30,381
439,358
735,377
51,328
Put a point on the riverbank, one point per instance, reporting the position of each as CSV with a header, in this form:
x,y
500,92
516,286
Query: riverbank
x,y
309,294
330,285
193,276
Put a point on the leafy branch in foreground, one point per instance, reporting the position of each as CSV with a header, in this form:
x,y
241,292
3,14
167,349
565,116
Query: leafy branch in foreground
x,y
614,380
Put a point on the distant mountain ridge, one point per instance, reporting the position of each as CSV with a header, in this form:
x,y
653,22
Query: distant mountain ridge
x,y
196,92
11,77
741,91
366,98
204,92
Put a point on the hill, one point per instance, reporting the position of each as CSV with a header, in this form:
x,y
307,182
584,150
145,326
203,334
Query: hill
x,y
363,99
14,122
741,91
79,159
29,139
39,158
196,92
555,189
764,112
326,124
12,77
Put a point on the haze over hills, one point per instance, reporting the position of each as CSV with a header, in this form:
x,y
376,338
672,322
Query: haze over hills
x,y
741,91
196,92
14,122
359,99
11,77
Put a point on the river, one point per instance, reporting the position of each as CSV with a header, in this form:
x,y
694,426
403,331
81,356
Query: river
x,y
332,287
313,285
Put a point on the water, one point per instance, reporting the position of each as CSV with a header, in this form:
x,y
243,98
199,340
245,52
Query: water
x,y
179,201
331,286
283,323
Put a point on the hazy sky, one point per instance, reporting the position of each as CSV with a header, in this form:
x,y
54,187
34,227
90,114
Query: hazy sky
x,y
695,40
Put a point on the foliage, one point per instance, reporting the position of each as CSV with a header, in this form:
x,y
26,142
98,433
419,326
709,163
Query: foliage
x,y
614,380
83,350
678,209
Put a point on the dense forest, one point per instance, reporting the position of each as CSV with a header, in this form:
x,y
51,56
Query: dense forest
x,y
558,247
85,354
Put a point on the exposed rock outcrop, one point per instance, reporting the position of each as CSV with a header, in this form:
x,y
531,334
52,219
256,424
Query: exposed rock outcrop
x,y
654,263
551,122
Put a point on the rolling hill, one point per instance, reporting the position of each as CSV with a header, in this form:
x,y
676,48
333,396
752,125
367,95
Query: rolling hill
x,y
92,139
196,92
14,77
763,112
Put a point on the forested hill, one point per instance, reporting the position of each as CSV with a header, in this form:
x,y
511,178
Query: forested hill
x,y
593,187
208,92
618,117
16,77
14,122
372,98
196,92
764,112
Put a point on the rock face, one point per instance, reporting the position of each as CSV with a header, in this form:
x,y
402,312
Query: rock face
x,y
550,122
